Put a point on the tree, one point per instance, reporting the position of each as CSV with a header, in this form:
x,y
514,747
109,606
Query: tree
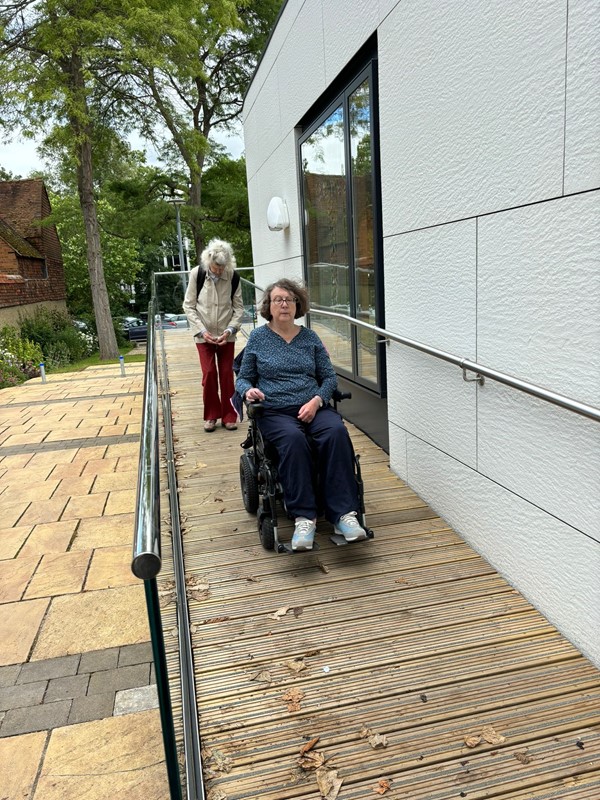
x,y
64,67
199,83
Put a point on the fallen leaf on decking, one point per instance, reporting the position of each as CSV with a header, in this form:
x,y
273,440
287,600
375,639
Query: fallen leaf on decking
x,y
293,698
281,612
309,745
262,677
491,736
295,665
328,782
382,787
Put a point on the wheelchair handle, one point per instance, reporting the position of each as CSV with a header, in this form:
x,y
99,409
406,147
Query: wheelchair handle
x,y
337,395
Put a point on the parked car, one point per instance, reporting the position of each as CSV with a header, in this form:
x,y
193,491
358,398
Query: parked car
x,y
134,329
175,321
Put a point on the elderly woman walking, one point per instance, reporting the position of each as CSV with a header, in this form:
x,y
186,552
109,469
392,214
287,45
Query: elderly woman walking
x,y
214,308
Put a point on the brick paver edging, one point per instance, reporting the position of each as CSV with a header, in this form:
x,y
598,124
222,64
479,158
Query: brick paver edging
x,y
69,444
75,399
41,695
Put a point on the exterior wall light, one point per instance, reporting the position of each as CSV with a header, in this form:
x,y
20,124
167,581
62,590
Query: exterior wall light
x,y
278,218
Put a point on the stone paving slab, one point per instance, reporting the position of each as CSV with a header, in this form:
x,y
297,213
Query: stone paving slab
x,y
73,623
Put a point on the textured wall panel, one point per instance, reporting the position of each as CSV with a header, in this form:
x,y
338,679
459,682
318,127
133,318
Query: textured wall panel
x,y
276,43
539,294
430,286
301,65
276,178
398,451
429,399
262,126
582,152
345,32
554,566
549,456
472,108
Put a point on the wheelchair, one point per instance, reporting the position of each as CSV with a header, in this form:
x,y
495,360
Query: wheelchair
x,y
261,488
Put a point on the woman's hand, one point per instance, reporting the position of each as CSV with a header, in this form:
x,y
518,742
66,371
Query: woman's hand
x,y
254,394
308,410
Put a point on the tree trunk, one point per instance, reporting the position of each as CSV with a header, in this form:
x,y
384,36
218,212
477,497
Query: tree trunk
x,y
104,324
196,204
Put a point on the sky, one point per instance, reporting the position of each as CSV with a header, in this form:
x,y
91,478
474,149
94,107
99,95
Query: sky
x,y
19,155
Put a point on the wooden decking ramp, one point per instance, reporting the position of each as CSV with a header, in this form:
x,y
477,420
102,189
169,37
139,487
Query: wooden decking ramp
x,y
404,667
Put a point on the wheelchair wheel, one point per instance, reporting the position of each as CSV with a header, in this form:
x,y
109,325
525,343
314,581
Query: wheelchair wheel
x,y
249,484
267,533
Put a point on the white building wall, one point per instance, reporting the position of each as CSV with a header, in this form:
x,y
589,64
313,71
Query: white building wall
x,y
490,172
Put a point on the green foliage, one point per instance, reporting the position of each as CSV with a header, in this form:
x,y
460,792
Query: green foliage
x,y
19,357
225,206
120,256
56,337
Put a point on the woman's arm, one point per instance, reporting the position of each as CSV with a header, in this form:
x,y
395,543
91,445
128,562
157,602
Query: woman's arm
x,y
325,372
237,312
248,374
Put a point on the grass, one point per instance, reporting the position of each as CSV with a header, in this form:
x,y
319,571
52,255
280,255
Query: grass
x,y
129,354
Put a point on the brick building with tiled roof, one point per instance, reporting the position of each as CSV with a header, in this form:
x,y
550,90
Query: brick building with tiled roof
x,y
31,268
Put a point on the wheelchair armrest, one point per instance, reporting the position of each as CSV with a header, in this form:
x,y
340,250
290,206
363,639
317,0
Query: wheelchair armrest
x,y
337,396
253,408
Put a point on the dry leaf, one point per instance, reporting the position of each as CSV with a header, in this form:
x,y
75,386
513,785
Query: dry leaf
x,y
312,760
293,698
263,677
309,745
400,580
213,620
218,500
216,794
281,612
473,740
523,757
490,735
328,782
382,787
365,732
323,567
193,628
296,665
196,588
252,579
378,740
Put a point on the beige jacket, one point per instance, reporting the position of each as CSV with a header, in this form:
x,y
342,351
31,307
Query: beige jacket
x,y
214,311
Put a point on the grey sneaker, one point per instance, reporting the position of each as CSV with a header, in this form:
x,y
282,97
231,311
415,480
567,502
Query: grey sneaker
x,y
349,527
304,534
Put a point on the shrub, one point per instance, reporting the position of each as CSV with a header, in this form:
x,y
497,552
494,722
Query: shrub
x,y
60,343
19,358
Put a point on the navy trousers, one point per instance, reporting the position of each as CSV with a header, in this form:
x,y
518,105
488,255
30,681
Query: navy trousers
x,y
336,468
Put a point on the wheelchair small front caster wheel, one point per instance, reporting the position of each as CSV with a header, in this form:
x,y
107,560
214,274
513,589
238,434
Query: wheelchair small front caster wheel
x,y
266,532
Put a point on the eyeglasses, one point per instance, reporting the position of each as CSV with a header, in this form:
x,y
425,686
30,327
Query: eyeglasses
x,y
279,301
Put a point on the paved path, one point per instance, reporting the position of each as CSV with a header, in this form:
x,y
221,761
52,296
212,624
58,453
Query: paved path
x,y
78,713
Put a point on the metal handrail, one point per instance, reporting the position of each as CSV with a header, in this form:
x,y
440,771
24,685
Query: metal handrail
x,y
146,548
465,364
146,560
472,366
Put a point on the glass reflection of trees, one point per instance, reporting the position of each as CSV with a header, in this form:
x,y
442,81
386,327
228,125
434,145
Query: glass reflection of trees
x,y
326,189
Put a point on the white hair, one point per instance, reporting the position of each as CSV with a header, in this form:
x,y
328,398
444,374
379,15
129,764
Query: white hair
x,y
218,252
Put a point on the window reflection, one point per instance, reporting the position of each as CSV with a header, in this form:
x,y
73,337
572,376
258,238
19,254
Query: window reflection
x,y
363,226
324,176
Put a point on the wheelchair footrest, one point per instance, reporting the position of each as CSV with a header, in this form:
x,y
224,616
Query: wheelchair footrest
x,y
339,540
286,547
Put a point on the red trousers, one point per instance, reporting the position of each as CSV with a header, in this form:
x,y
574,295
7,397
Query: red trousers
x,y
217,372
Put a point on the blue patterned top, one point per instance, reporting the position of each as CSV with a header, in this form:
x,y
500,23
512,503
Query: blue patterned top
x,y
288,374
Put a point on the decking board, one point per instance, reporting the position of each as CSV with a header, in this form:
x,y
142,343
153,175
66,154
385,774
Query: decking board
x,y
412,635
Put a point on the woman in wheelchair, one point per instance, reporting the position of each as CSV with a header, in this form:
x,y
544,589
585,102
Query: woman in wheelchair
x,y
286,367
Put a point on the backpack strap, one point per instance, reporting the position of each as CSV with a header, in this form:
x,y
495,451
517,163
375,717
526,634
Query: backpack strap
x,y
235,282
